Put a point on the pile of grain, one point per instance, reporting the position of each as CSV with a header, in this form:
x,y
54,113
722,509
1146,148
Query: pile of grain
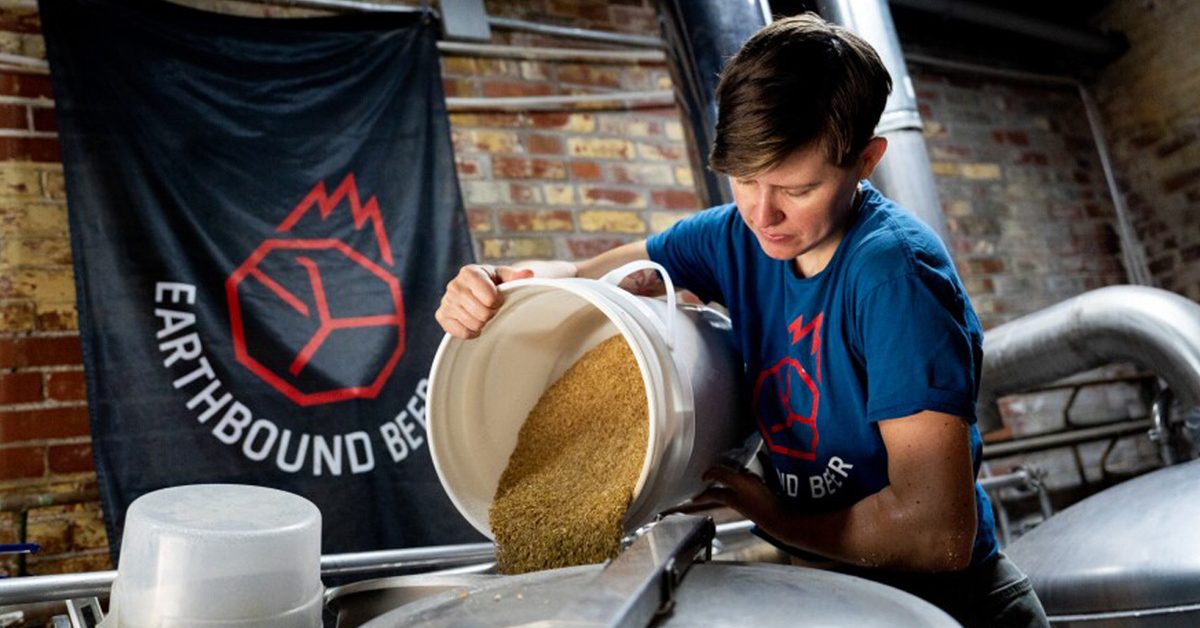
x,y
571,477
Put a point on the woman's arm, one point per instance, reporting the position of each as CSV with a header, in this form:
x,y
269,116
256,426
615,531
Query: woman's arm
x,y
472,297
924,520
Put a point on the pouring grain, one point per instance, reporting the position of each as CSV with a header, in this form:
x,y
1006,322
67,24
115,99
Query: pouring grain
x,y
570,479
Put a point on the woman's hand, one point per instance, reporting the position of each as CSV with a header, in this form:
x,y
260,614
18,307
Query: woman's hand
x,y
742,491
472,298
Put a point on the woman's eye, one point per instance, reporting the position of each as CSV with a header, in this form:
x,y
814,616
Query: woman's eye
x,y
798,193
746,182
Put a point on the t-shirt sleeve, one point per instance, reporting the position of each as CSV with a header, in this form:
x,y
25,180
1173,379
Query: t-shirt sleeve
x,y
918,348
689,250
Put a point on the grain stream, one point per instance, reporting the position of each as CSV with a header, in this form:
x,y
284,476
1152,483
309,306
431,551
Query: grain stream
x,y
570,479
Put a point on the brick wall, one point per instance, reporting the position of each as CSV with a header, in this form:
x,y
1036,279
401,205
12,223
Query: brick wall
x,y
1151,103
1030,219
44,443
567,185
1031,223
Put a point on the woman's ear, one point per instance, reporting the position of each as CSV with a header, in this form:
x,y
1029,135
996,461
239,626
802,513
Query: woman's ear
x,y
871,155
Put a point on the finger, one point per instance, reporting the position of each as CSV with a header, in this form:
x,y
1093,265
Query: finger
x,y
460,312
508,273
474,309
476,283
453,327
453,311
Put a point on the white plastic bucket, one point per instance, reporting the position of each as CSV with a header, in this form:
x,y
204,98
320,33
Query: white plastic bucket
x,y
481,390
219,556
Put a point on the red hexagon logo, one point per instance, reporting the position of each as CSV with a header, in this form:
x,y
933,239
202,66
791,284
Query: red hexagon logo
x,y
786,398
316,319
785,404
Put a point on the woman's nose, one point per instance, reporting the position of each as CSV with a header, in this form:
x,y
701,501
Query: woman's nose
x,y
765,213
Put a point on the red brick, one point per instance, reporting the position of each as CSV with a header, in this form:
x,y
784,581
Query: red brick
x,y
520,168
986,265
536,220
594,11
583,248
521,193
67,386
466,168
589,75
585,170
22,462
43,424
540,144
26,85
20,388
43,149
501,89
674,199
28,23
45,120
479,220
549,119
71,459
616,196
21,352
13,117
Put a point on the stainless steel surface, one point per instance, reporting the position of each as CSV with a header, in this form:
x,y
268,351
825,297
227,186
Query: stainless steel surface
x,y
1132,254
713,595
66,586
356,604
433,557
30,589
1031,444
546,52
577,33
640,582
1131,550
53,588
905,174
1160,425
609,100
1155,329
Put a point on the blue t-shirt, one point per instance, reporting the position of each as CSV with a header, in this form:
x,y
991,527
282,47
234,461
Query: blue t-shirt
x,y
884,331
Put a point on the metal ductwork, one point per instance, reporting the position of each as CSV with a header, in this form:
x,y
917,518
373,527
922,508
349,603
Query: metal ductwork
x,y
703,35
905,174
1153,328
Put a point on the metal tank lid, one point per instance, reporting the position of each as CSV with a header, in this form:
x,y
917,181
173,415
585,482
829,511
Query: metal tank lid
x,y
660,579
1134,546
710,594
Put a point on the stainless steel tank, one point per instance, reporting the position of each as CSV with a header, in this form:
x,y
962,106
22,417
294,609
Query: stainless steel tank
x,y
1127,556
711,594
656,581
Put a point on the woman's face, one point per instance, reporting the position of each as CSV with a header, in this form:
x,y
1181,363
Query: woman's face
x,y
801,207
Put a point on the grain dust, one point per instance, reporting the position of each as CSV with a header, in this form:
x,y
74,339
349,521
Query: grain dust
x,y
570,479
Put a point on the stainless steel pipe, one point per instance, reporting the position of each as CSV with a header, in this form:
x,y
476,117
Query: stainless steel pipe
x,y
1153,328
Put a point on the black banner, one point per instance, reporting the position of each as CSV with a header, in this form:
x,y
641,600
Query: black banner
x,y
263,215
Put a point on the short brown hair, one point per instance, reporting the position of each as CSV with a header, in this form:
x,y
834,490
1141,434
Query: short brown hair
x,y
798,82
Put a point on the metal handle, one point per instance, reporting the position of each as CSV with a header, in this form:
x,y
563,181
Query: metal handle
x,y
666,323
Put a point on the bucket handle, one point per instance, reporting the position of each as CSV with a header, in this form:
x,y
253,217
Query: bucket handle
x,y
667,323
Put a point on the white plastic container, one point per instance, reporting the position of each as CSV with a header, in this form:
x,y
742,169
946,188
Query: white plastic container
x,y
481,390
219,555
